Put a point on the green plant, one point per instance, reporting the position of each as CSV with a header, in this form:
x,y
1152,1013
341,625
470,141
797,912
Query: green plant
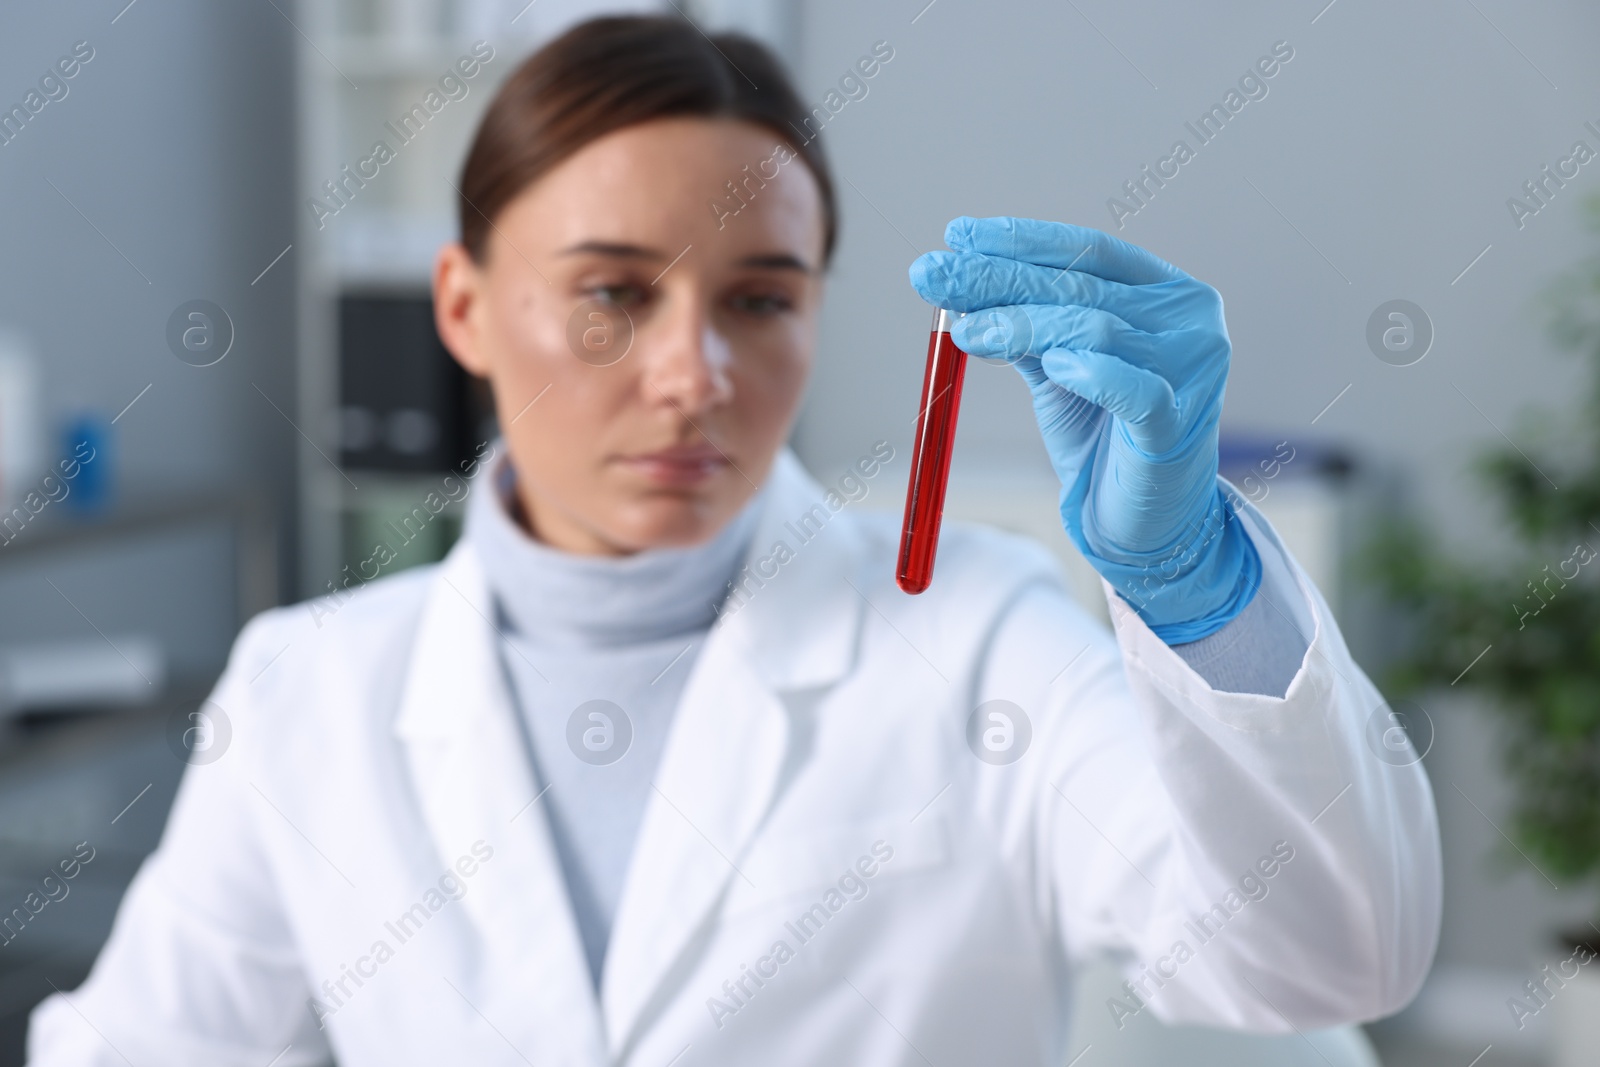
x,y
1538,617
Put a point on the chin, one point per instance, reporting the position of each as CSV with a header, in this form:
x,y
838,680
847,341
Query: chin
x,y
673,522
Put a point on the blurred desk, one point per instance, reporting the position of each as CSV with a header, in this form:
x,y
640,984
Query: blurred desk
x,y
107,780
180,573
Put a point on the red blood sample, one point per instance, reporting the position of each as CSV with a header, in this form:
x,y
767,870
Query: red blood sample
x,y
930,458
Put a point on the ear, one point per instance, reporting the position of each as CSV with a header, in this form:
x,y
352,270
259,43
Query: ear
x,y
458,307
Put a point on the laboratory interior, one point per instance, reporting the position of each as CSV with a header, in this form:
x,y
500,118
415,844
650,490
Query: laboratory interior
x,y
224,392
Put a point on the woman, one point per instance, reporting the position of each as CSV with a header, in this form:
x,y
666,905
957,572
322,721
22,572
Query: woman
x,y
659,767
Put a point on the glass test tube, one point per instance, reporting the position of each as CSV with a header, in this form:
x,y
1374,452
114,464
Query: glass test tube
x,y
930,458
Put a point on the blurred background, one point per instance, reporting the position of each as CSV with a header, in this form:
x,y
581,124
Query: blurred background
x,y
193,426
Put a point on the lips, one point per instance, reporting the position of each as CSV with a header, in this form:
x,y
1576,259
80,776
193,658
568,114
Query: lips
x,y
680,465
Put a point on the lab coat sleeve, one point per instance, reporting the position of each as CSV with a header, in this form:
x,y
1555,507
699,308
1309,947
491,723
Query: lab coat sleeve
x,y
200,967
1254,862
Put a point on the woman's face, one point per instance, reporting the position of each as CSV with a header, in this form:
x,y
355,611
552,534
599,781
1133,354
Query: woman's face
x,y
664,445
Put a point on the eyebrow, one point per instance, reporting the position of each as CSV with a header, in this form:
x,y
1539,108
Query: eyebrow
x,y
612,248
620,250
776,261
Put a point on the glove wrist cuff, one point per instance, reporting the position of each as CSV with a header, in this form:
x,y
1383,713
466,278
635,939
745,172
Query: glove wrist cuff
x,y
1191,591
1243,590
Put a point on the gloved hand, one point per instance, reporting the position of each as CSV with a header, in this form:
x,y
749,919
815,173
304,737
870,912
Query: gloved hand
x,y
1126,357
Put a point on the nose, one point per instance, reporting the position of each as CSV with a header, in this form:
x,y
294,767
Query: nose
x,y
687,362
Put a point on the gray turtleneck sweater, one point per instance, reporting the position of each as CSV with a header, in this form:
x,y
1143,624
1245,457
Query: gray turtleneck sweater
x,y
597,651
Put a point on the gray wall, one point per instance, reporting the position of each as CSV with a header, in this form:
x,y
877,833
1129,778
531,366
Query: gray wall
x,y
1390,142
174,142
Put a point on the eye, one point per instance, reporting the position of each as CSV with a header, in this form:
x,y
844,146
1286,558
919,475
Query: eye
x,y
625,295
761,303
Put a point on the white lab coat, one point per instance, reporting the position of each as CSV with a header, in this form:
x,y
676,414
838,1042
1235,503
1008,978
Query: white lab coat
x,y
817,790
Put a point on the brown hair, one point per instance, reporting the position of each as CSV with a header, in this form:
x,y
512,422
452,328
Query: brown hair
x,y
608,73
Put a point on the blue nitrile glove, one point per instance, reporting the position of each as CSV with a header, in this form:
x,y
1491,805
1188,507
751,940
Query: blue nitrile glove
x,y
1126,356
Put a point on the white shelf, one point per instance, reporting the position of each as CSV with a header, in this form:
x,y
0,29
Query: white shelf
x,y
383,59
389,250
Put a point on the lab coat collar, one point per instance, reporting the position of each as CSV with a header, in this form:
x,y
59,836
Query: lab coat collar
x,y
791,624
524,970
802,566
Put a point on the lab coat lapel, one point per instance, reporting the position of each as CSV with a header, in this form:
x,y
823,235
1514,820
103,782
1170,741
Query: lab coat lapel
x,y
526,972
724,760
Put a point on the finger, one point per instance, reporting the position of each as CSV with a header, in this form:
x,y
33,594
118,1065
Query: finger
x,y
1140,398
965,281
1032,372
1020,329
1058,244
